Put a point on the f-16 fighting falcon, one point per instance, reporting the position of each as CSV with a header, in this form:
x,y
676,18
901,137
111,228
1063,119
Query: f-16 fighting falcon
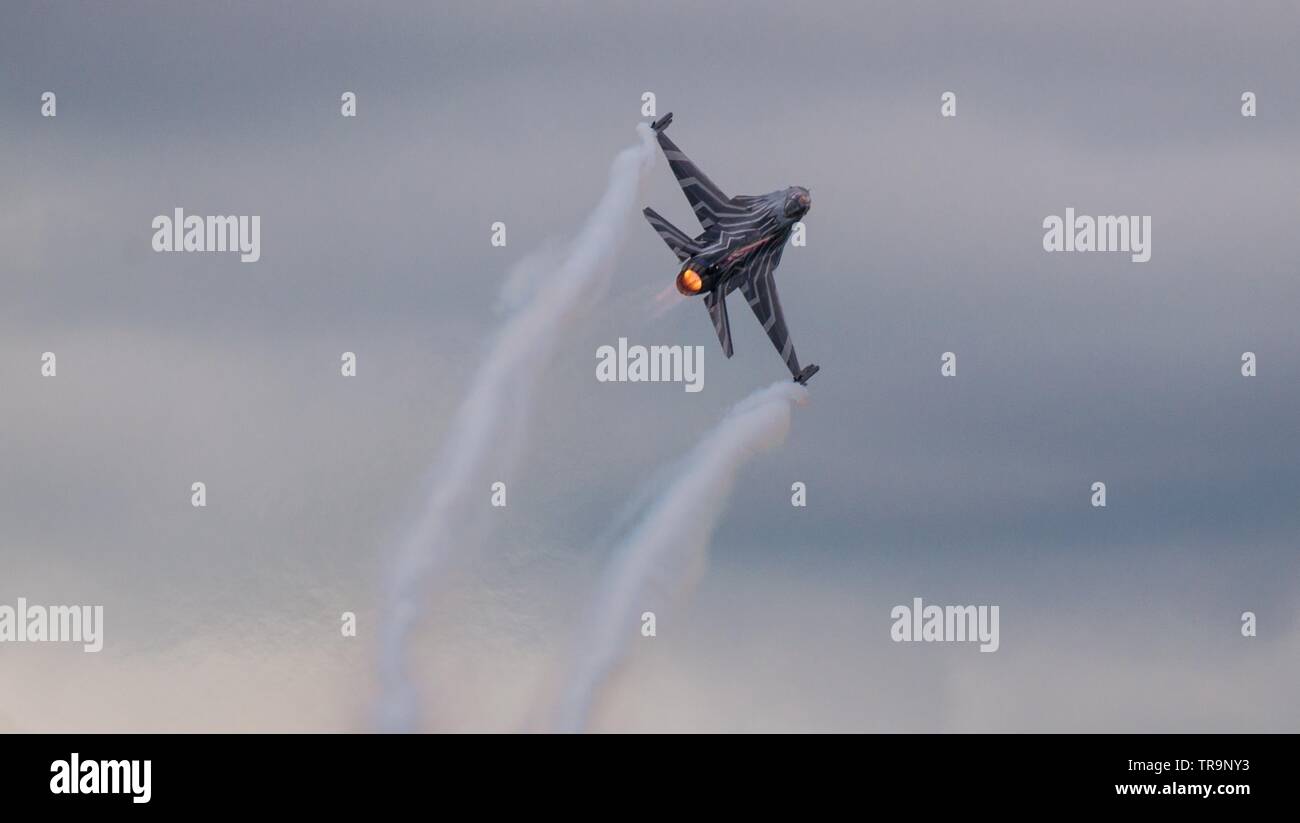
x,y
740,248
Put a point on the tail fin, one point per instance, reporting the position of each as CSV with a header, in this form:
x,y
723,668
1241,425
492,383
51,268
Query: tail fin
x,y
680,242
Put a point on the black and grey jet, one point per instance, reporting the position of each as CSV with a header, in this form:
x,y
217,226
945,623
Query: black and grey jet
x,y
740,248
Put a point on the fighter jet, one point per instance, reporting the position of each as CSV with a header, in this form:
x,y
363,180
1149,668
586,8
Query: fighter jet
x,y
740,248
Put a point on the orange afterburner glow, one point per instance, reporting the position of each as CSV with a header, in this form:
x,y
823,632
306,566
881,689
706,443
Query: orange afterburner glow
x,y
688,282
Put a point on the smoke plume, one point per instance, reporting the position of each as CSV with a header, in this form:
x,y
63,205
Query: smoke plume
x,y
545,294
663,555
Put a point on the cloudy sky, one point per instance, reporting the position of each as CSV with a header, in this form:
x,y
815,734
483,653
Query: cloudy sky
x,y
925,236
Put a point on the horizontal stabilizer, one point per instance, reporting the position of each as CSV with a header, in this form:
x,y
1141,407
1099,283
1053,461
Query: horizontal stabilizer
x,y
681,243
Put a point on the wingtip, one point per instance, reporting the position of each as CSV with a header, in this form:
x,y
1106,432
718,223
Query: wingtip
x,y
806,374
662,123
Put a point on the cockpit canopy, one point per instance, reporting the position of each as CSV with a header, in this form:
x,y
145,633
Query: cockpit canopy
x,y
797,202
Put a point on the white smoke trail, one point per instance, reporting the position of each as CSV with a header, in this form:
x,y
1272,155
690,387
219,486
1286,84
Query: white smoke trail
x,y
547,293
664,553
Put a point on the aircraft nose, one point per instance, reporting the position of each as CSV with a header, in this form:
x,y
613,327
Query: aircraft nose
x,y
798,203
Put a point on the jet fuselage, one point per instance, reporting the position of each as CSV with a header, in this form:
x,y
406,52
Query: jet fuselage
x,y
739,249
731,250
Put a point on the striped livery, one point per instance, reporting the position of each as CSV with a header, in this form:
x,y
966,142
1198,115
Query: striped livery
x,y
740,248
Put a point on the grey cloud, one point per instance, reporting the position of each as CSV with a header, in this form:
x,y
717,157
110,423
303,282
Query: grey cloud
x,y
924,237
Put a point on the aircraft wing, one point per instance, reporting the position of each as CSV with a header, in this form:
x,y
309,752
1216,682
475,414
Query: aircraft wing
x,y
711,205
759,287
